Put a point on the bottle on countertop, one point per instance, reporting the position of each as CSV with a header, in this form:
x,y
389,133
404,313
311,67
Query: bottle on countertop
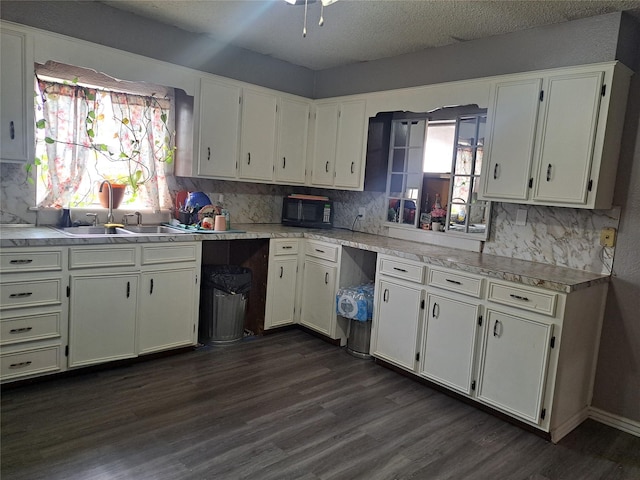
x,y
65,219
223,211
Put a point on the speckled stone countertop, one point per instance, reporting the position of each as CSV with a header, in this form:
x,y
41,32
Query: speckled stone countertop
x,y
560,279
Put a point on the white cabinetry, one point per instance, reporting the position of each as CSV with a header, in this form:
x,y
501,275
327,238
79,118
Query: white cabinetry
x,y
293,127
219,129
553,139
258,137
318,308
451,330
33,312
16,108
128,300
282,283
103,303
399,307
169,294
339,148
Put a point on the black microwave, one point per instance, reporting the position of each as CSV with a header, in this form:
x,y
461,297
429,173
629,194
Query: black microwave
x,y
305,212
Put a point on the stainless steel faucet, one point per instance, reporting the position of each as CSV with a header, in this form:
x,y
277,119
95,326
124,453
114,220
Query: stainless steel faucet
x,y
110,215
138,217
94,222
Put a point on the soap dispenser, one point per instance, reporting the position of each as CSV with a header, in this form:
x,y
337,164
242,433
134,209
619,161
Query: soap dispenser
x,y
65,219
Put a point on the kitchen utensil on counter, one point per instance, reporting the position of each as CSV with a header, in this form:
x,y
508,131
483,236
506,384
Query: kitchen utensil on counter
x,y
197,199
220,223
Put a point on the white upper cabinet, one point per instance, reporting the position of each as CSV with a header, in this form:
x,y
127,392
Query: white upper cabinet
x,y
554,139
340,139
258,137
219,129
293,128
16,128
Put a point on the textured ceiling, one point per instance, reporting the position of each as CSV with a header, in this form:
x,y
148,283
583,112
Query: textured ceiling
x,y
361,30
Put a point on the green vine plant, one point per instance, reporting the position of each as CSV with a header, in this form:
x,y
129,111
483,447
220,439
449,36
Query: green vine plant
x,y
137,172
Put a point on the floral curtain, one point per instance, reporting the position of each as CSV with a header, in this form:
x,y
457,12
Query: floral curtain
x,y
88,135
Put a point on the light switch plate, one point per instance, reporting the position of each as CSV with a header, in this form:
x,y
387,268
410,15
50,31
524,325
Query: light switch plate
x,y
521,217
608,237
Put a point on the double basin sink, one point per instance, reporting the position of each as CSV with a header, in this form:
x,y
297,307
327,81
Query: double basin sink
x,y
127,230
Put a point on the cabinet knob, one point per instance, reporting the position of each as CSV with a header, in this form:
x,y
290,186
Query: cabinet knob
x,y
497,329
435,311
326,167
20,365
385,295
352,165
281,271
151,287
495,171
248,158
284,162
326,278
549,173
208,153
21,261
20,330
12,130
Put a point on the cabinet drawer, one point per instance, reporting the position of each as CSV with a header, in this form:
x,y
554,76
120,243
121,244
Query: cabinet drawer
x,y
414,272
29,362
28,261
456,282
31,293
284,247
30,327
521,297
322,250
169,253
107,256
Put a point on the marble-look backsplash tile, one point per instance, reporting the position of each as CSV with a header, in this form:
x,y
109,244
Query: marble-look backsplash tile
x,y
567,237
16,195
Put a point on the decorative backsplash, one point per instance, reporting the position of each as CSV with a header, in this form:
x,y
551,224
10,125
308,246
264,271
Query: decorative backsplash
x,y
565,237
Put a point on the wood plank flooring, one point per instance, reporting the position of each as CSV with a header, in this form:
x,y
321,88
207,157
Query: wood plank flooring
x,y
283,406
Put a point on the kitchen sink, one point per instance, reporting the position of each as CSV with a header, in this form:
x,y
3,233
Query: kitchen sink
x,y
150,229
94,230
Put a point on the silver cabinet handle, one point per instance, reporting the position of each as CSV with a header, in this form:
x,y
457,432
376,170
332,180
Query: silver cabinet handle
x,y
518,297
495,171
548,172
453,281
21,261
21,295
319,251
385,295
326,278
20,330
287,247
400,269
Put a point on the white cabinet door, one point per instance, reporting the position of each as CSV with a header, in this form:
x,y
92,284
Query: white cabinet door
x,y
258,135
514,364
14,118
318,310
281,292
350,145
567,138
397,319
102,318
167,309
326,138
511,130
219,129
449,342
291,161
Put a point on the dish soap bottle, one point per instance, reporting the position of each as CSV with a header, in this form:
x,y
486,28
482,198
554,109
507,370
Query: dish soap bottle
x,y
65,219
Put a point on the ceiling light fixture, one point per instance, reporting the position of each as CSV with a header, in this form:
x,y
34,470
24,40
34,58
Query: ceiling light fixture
x,y
306,3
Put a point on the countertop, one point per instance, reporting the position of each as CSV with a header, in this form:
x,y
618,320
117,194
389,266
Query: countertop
x,y
560,279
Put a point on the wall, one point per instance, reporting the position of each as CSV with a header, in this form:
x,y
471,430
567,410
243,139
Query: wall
x,y
617,387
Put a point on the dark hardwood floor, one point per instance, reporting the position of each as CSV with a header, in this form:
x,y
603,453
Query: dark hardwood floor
x,y
282,406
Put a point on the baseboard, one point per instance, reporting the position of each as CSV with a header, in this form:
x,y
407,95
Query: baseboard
x,y
615,421
561,430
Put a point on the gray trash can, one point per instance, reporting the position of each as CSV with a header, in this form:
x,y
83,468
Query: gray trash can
x,y
223,303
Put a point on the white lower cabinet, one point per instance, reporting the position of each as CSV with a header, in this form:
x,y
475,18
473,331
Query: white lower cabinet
x,y
102,320
167,313
397,323
449,342
282,281
514,364
319,288
33,312
131,300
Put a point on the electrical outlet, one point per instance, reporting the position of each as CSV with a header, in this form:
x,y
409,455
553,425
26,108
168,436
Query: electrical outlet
x,y
608,237
361,211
